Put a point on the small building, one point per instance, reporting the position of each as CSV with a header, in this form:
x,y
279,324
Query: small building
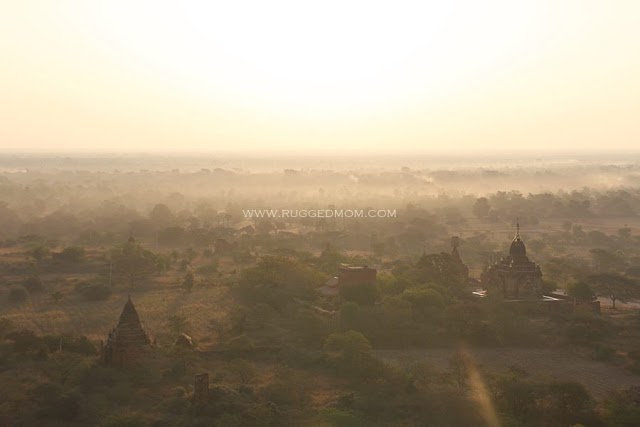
x,y
514,277
330,288
127,341
350,275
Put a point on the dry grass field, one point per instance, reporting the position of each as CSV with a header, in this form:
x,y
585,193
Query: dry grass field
x,y
94,319
546,364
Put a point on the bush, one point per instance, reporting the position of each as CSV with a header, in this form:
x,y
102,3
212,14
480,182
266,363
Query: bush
x,y
80,345
18,295
587,328
71,254
581,291
188,281
26,343
54,403
339,418
622,408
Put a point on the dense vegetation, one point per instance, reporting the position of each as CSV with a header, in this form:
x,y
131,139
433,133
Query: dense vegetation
x,y
74,244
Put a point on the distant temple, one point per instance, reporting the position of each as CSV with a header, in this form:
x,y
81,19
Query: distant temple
x,y
514,277
127,340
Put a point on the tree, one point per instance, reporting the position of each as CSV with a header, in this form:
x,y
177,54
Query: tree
x,y
605,260
426,302
70,254
38,253
624,233
481,207
614,286
277,281
566,403
188,281
57,296
563,269
351,347
578,233
329,260
622,408
161,216
133,262
581,291
441,269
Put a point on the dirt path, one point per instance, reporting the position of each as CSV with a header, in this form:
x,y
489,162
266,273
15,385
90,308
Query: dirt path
x,y
598,377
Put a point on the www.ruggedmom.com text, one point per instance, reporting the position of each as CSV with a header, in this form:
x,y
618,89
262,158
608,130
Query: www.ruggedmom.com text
x,y
319,213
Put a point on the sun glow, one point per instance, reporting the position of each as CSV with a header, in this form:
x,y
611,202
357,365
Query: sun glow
x,y
213,74
318,58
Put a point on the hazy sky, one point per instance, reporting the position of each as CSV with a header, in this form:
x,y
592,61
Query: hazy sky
x,y
322,76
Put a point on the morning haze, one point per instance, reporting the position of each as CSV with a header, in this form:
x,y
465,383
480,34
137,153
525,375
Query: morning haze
x,y
331,214
408,77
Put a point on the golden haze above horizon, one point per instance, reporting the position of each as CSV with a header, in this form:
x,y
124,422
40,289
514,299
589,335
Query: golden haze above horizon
x,y
330,76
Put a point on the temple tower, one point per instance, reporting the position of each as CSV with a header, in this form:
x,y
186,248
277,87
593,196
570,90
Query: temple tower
x,y
515,276
127,340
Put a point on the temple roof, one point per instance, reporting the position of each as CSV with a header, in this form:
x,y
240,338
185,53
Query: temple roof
x,y
518,251
129,315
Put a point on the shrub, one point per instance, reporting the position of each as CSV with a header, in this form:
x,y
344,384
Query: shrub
x,y
71,254
340,418
587,328
26,343
80,345
581,291
188,281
